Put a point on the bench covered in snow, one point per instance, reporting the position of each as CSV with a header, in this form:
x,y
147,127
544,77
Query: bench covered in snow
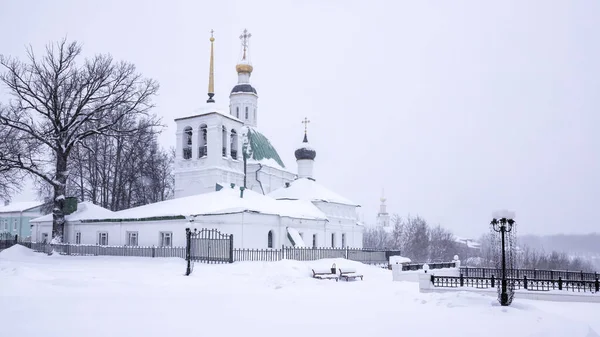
x,y
349,273
324,274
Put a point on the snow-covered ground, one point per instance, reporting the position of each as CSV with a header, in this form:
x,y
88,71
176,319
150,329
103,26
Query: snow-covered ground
x,y
67,296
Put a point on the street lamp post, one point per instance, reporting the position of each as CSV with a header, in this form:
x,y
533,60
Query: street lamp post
x,y
503,223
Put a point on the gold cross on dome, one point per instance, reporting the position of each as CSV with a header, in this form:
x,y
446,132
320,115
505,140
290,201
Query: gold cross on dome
x,y
305,122
245,37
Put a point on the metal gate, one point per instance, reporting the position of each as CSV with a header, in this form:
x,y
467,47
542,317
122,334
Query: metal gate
x,y
208,246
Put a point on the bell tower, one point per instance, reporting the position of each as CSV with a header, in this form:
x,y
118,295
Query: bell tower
x,y
383,217
243,100
208,147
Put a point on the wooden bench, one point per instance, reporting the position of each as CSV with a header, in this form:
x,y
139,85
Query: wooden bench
x,y
324,274
349,273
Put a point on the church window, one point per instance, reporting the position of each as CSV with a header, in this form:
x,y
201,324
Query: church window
x,y
246,112
234,144
237,112
333,240
187,143
102,238
343,240
224,132
166,239
202,143
132,238
77,237
270,239
314,241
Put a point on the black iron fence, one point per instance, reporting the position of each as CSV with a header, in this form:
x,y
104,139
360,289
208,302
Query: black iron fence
x,y
93,250
531,274
432,265
519,283
367,256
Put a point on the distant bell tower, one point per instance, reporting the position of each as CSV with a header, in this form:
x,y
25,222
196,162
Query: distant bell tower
x,y
305,155
243,98
383,218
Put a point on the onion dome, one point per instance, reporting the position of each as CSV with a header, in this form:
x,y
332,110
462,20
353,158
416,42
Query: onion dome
x,y
305,151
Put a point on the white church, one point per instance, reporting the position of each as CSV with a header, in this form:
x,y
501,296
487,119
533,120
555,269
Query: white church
x,y
228,176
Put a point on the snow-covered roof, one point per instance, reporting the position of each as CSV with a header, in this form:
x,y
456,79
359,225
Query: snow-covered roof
x,y
19,206
224,201
469,242
209,108
85,210
308,189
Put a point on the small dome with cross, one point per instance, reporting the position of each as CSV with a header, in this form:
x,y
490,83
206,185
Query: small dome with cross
x,y
305,151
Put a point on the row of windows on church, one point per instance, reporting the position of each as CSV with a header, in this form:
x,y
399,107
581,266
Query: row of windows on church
x,y
270,240
188,134
237,113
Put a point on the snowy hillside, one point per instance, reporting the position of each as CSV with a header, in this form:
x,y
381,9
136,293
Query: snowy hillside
x,y
114,296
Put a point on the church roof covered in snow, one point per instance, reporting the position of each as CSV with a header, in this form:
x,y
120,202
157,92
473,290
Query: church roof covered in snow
x,y
308,189
260,149
207,109
85,210
225,201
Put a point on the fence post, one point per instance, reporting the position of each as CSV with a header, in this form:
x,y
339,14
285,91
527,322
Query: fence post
x,y
525,281
582,275
188,239
230,248
559,283
153,251
346,253
597,284
462,280
493,281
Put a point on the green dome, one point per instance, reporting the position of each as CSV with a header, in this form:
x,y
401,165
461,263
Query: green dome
x,y
258,147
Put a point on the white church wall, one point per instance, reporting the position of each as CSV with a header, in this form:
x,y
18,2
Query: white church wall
x,y
270,178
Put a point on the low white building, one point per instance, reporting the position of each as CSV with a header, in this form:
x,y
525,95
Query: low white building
x,y
255,220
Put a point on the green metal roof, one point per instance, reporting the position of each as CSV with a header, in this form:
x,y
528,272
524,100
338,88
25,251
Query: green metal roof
x,y
261,148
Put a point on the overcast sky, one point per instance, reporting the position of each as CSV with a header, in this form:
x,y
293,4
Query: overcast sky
x,y
456,108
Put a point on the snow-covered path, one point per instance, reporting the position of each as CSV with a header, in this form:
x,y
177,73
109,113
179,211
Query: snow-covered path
x,y
112,296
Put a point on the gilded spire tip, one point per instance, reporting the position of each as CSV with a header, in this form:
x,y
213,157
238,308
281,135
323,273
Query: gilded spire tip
x,y
211,77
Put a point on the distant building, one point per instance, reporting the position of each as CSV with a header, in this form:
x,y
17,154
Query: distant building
x,y
15,217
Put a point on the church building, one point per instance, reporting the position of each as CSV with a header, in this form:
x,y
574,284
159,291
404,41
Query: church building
x,y
230,177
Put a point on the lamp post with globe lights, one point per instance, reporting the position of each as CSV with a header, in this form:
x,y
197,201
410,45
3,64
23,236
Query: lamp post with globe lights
x,y
503,223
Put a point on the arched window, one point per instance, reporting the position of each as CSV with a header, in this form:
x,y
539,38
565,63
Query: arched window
x,y
333,240
343,240
270,239
224,131
314,240
202,142
237,112
246,112
234,144
187,142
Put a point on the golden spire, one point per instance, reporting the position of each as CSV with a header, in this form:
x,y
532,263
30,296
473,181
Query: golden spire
x,y
244,66
211,77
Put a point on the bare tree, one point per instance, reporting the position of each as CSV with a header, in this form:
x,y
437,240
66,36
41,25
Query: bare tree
x,y
58,104
11,148
377,238
442,246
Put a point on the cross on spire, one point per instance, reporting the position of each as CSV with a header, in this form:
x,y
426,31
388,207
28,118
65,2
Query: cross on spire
x,y
212,32
305,122
245,39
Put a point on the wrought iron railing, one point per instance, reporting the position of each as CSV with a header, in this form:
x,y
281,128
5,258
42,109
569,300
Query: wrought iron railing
x,y
531,273
519,283
432,265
